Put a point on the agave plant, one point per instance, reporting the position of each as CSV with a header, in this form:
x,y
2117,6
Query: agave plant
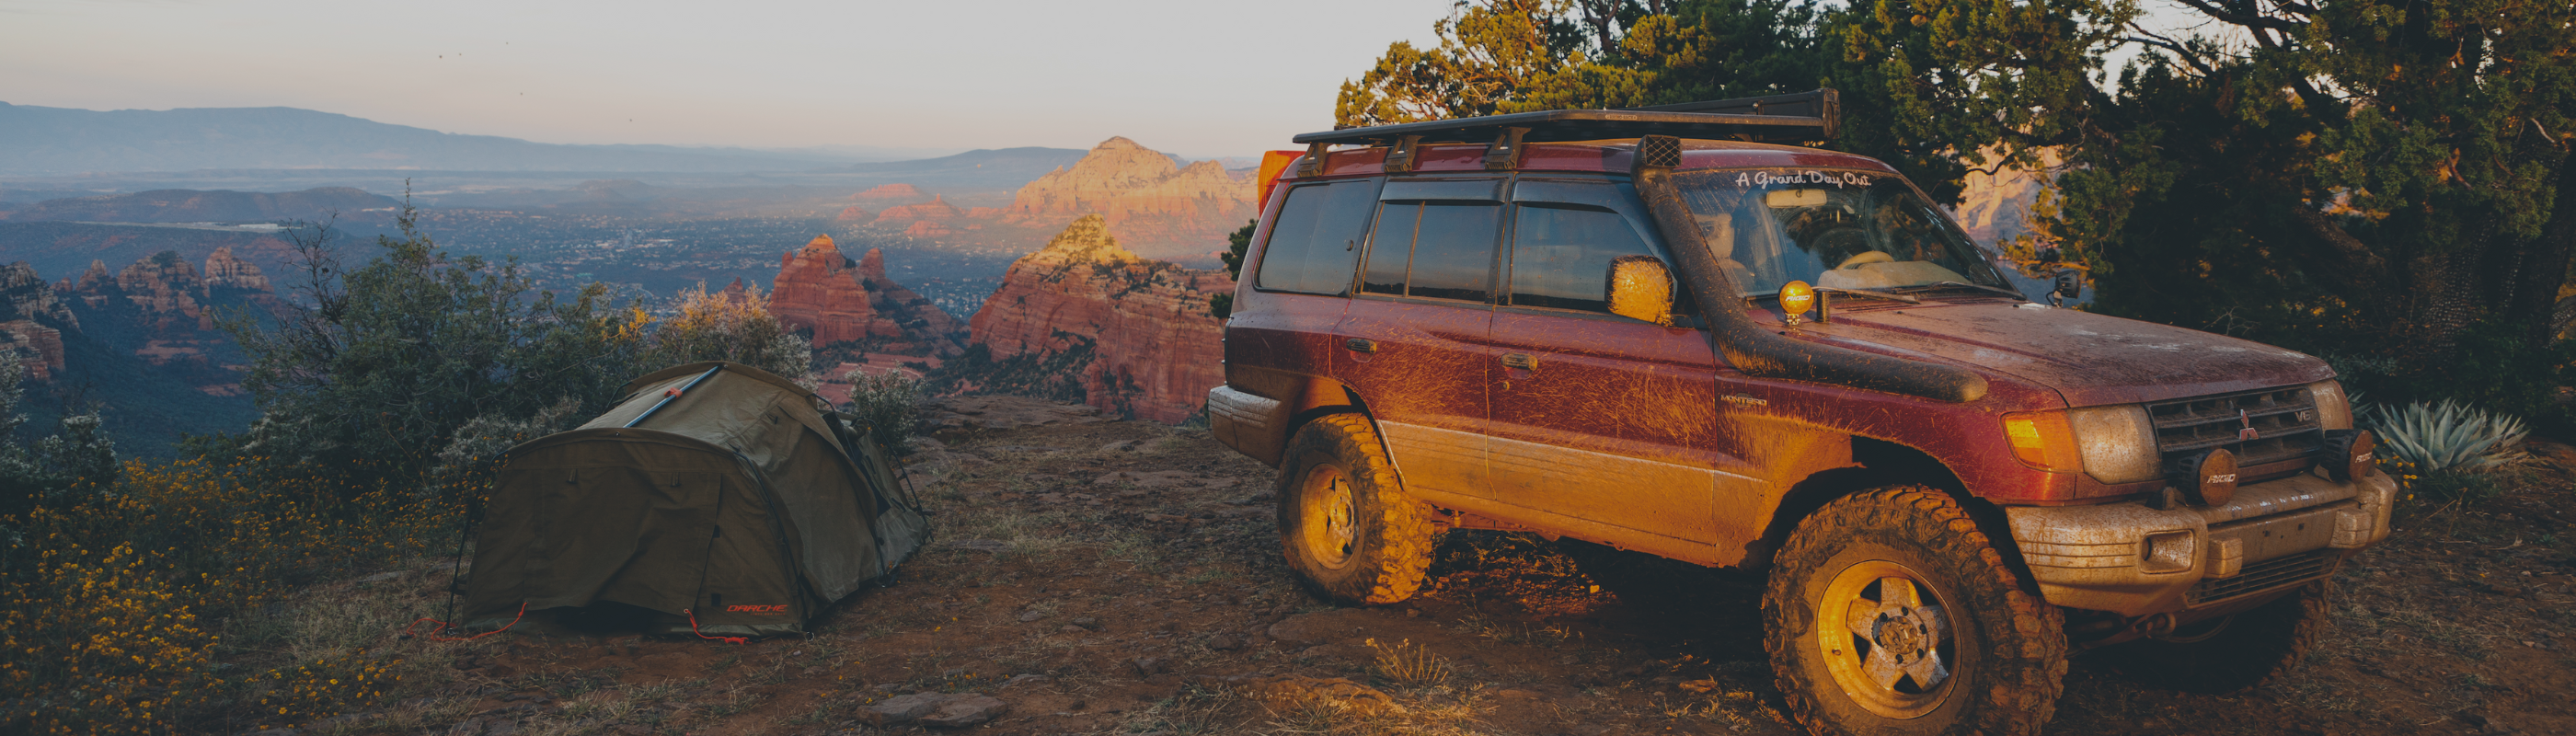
x,y
2449,436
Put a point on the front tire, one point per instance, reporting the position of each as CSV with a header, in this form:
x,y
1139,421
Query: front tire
x,y
1345,522
1891,612
2230,654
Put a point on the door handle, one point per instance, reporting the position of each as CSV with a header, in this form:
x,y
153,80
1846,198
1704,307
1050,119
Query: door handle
x,y
1360,345
1520,360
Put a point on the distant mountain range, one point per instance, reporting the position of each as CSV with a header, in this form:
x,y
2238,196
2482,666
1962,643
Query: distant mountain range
x,y
187,205
36,141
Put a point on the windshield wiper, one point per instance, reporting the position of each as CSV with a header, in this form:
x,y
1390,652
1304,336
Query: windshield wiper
x,y
1961,284
1870,293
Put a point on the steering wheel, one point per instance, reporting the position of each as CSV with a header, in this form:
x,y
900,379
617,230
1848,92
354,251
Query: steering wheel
x,y
1864,258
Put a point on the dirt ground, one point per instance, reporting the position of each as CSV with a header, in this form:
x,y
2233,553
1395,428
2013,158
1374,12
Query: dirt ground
x,y
1102,577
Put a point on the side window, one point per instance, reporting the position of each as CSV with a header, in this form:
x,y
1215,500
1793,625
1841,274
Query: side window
x,y
1433,250
1316,239
1564,236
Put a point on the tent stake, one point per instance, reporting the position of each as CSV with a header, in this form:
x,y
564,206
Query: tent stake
x,y
668,396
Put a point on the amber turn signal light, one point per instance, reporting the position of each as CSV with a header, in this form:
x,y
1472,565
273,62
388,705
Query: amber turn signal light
x,y
2208,478
2044,440
2350,454
1796,298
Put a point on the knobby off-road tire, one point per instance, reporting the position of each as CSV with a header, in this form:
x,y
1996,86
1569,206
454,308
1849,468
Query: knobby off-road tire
x,y
1345,522
2232,654
1855,582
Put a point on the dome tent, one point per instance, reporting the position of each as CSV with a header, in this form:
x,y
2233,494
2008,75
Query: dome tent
x,y
713,489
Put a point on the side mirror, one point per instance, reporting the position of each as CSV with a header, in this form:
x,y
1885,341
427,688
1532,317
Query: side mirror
x,y
2069,284
1641,287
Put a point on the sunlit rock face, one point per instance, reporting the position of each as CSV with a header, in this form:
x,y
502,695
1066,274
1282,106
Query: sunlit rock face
x,y
1152,346
1997,207
836,300
936,210
886,195
1144,199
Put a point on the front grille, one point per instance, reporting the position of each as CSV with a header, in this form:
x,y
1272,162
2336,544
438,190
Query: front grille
x,y
2284,418
2272,574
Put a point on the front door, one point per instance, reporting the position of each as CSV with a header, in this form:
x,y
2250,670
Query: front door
x,y
1609,423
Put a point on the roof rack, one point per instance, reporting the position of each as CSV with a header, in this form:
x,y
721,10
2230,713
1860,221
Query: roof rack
x,y
1790,118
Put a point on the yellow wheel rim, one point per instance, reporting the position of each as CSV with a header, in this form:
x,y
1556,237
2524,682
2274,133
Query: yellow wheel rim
x,y
1886,637
1325,514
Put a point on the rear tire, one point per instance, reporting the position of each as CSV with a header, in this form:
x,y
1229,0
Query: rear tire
x,y
2231,654
1345,522
1891,612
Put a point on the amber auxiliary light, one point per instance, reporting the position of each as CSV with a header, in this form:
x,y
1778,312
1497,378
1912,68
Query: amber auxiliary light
x,y
2044,440
1796,297
2350,454
2208,478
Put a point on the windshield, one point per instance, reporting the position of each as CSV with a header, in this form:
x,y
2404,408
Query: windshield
x,y
1832,229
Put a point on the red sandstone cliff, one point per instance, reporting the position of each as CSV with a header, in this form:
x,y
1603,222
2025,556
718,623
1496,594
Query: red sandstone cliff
x,y
170,306
25,299
1154,349
835,299
1146,200
936,210
889,194
852,213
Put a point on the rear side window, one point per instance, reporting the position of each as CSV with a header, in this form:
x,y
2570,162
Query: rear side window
x,y
1433,250
1316,239
1564,236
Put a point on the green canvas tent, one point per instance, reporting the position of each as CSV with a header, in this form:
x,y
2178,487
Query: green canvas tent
x,y
713,488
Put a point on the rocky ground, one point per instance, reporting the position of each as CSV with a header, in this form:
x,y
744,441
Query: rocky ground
x,y
1100,577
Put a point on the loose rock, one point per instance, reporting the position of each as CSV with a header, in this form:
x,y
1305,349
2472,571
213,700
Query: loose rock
x,y
963,711
903,708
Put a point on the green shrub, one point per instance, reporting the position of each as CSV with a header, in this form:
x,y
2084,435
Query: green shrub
x,y
888,405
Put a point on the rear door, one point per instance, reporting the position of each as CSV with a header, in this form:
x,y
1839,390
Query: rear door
x,y
1411,342
1607,423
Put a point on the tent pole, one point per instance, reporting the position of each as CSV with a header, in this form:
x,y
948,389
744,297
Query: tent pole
x,y
668,396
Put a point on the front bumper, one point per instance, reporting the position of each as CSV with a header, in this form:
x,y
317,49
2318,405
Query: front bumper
x,y
2135,560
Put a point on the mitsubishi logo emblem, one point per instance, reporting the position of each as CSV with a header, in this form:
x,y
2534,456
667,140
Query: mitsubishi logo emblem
x,y
2248,432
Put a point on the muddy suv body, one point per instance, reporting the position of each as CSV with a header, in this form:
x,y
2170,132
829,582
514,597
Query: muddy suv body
x,y
1951,487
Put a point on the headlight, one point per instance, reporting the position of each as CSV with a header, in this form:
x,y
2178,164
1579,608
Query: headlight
x,y
2118,443
2334,410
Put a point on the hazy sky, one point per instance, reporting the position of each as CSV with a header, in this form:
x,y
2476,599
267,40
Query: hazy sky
x,y
1199,78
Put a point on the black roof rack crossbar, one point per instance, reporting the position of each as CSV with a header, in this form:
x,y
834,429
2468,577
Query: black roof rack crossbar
x,y
1791,118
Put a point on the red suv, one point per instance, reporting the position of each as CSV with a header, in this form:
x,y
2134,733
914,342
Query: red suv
x,y
1653,330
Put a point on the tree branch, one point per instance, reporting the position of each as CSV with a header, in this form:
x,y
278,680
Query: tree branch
x,y
2371,270
2149,38
2248,20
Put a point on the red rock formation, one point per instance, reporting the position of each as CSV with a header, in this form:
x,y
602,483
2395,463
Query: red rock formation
x,y
164,288
736,293
170,304
852,213
936,210
41,347
225,271
1155,348
812,293
926,329
821,291
890,194
1145,200
25,298
927,229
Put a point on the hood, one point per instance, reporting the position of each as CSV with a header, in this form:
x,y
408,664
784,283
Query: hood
x,y
2090,359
